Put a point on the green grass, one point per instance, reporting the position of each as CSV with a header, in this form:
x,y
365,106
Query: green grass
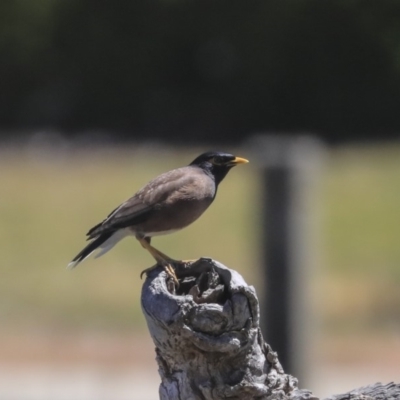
x,y
361,238
49,201
363,213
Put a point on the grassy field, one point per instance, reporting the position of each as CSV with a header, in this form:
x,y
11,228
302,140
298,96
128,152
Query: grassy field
x,y
49,199
361,239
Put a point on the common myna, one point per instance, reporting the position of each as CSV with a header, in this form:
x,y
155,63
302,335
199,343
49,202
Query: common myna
x,y
166,204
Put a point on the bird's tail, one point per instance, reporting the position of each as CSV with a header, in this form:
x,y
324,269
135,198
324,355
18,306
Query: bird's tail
x,y
104,242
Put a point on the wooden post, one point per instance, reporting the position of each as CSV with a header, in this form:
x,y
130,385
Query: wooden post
x,y
208,340
209,344
288,167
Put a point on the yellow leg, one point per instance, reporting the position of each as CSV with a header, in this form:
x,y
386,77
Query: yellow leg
x,y
161,259
157,255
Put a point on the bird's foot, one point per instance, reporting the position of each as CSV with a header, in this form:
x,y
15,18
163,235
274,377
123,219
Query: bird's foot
x,y
168,268
186,262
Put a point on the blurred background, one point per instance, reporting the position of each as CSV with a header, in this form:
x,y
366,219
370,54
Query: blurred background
x,y
98,97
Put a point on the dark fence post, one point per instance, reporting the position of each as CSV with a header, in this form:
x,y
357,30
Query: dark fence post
x,y
288,245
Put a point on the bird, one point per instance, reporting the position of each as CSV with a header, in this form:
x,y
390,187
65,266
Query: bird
x,y
168,203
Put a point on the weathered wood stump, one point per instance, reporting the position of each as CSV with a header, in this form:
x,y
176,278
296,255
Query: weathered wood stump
x,y
208,341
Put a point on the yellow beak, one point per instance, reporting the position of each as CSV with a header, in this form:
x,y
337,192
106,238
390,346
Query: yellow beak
x,y
239,160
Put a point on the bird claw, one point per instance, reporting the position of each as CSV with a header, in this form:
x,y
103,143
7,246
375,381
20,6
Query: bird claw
x,y
168,268
145,271
187,262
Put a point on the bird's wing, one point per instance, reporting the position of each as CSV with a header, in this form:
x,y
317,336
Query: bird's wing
x,y
151,197
129,213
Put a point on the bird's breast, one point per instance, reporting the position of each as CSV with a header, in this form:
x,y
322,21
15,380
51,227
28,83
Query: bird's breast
x,y
169,218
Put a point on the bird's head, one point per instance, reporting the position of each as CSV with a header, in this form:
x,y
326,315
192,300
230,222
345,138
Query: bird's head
x,y
217,163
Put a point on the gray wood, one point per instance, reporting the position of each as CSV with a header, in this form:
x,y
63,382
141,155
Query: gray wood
x,y
377,391
209,344
208,340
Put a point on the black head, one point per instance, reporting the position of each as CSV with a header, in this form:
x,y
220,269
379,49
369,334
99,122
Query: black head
x,y
217,163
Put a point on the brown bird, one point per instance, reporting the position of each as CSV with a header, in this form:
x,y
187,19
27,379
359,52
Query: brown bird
x,y
165,205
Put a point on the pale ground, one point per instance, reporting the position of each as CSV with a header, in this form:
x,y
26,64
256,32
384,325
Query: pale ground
x,y
119,367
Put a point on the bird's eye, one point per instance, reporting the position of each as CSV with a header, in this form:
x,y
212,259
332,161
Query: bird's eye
x,y
217,160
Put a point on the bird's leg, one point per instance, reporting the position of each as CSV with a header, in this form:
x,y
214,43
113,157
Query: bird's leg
x,y
157,253
161,259
158,256
172,260
165,257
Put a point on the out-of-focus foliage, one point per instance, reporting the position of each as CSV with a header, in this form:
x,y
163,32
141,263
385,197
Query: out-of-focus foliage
x,y
214,70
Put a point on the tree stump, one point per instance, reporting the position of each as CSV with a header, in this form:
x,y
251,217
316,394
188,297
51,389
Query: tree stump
x,y
208,340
